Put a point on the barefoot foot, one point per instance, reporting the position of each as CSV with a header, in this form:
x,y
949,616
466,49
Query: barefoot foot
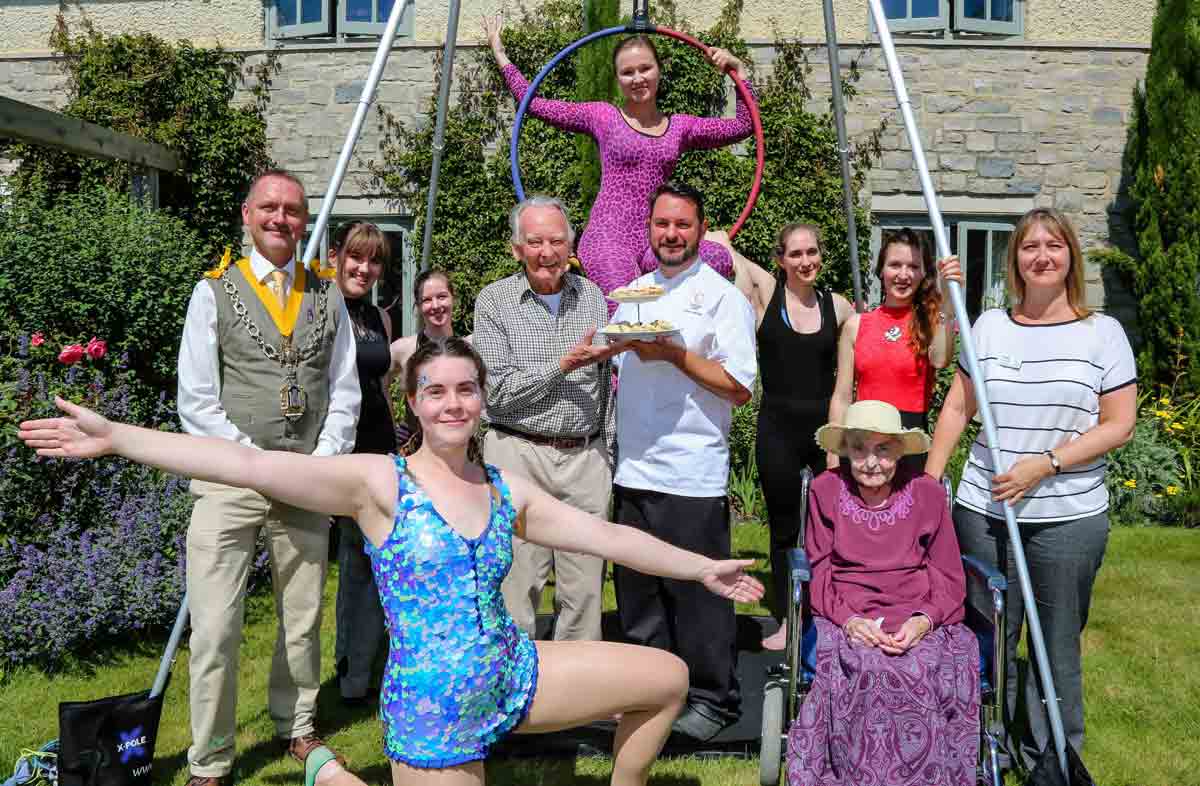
x,y
777,640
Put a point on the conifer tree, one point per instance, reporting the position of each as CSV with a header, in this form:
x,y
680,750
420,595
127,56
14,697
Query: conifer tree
x,y
1164,161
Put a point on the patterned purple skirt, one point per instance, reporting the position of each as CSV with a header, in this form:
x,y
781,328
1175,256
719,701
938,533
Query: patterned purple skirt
x,y
881,720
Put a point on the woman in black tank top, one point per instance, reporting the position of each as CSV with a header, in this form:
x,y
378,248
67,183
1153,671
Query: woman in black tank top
x,y
360,251
797,336
433,300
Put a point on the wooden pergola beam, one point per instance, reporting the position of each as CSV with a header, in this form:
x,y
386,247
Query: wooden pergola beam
x,y
39,126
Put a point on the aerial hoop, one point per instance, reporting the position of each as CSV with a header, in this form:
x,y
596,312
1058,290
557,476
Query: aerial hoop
x,y
639,25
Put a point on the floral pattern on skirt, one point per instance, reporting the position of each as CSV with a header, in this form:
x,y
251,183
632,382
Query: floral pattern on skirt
x,y
873,719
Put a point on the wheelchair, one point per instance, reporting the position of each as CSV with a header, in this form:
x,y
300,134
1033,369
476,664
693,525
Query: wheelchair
x,y
788,683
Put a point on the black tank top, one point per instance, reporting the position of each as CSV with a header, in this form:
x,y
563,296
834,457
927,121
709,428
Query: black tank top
x,y
376,433
797,368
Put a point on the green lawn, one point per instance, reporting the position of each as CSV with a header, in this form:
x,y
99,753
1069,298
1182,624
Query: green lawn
x,y
1143,687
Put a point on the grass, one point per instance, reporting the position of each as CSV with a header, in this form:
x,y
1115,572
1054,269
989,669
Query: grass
x,y
1143,687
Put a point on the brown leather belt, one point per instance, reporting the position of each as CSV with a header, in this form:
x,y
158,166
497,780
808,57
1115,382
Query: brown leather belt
x,y
559,443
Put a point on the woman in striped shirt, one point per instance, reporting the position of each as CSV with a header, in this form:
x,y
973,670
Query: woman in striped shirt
x,y
1063,387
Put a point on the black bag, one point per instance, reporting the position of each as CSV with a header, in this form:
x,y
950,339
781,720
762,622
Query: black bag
x,y
1046,771
109,741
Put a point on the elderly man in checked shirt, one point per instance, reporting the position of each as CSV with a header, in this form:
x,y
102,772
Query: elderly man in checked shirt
x,y
550,406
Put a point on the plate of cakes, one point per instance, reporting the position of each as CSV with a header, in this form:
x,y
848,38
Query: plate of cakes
x,y
639,331
644,294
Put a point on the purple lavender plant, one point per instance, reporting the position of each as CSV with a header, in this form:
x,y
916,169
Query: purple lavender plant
x,y
91,552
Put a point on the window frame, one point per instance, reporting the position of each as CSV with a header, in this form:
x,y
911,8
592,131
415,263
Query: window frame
x,y
908,24
966,24
347,27
952,21
963,227
957,225
324,27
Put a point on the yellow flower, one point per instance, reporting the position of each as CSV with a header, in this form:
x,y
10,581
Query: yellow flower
x,y
1166,402
1172,490
1131,484
1178,426
1162,413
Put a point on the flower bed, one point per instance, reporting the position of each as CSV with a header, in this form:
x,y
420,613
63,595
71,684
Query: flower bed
x,y
89,550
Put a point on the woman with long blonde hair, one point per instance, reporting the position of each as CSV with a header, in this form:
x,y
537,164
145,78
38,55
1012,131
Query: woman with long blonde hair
x,y
1063,387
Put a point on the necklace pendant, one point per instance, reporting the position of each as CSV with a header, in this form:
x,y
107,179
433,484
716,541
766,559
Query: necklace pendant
x,y
292,400
892,333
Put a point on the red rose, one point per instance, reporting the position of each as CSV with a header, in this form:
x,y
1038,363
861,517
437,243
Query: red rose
x,y
72,353
96,348
37,339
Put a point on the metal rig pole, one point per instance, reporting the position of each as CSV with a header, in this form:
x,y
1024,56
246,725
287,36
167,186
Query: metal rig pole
x,y
985,413
168,658
360,114
839,117
439,128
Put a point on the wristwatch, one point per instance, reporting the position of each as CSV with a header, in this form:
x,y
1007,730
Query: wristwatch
x,y
1054,462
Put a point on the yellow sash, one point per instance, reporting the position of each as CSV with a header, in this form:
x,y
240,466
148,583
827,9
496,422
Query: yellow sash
x,y
226,258
284,320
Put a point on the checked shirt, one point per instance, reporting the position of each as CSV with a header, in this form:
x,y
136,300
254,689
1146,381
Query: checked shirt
x,y
521,343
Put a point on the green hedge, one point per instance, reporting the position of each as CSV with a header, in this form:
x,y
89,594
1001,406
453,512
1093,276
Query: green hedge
x,y
174,94
94,263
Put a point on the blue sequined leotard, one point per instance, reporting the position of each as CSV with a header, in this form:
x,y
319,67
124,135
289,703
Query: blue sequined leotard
x,y
460,673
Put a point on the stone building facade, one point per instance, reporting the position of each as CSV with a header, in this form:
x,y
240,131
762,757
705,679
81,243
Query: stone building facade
x,y
1008,122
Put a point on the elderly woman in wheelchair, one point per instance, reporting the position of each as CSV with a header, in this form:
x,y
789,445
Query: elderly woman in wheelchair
x,y
895,696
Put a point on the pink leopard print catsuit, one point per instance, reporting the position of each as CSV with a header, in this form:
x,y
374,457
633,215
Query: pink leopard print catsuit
x,y
615,247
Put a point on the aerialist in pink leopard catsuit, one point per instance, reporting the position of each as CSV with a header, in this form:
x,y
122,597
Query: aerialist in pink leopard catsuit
x,y
614,248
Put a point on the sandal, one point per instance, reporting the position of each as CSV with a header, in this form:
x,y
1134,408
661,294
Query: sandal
x,y
311,751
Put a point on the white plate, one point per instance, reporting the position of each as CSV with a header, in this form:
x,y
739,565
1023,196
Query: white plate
x,y
643,335
634,298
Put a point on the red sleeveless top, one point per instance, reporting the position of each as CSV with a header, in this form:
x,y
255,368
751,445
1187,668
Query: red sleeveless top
x,y
885,366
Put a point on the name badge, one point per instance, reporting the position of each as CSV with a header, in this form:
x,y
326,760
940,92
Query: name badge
x,y
1008,361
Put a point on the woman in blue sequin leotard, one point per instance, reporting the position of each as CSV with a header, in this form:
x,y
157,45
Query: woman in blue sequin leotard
x,y
450,633
460,674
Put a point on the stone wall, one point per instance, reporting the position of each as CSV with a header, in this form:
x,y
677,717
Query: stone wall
x,y
1005,127
25,25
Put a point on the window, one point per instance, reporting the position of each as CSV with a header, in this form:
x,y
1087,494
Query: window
x,y
335,18
394,291
981,246
989,16
916,15
996,17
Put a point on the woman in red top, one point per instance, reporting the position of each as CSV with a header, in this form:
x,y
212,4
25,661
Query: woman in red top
x,y
891,354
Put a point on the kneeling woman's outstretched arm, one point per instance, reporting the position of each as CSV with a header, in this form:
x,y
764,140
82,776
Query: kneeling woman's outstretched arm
x,y
362,487
355,486
557,525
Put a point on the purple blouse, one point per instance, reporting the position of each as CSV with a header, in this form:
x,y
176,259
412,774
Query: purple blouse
x,y
892,562
614,249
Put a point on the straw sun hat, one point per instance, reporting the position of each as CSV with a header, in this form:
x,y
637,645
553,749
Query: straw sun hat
x,y
877,416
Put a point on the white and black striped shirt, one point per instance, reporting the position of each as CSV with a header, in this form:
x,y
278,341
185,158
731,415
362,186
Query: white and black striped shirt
x,y
1044,383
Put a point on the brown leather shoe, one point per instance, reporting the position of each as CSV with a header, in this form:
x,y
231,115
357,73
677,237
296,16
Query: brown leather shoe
x,y
300,747
201,780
